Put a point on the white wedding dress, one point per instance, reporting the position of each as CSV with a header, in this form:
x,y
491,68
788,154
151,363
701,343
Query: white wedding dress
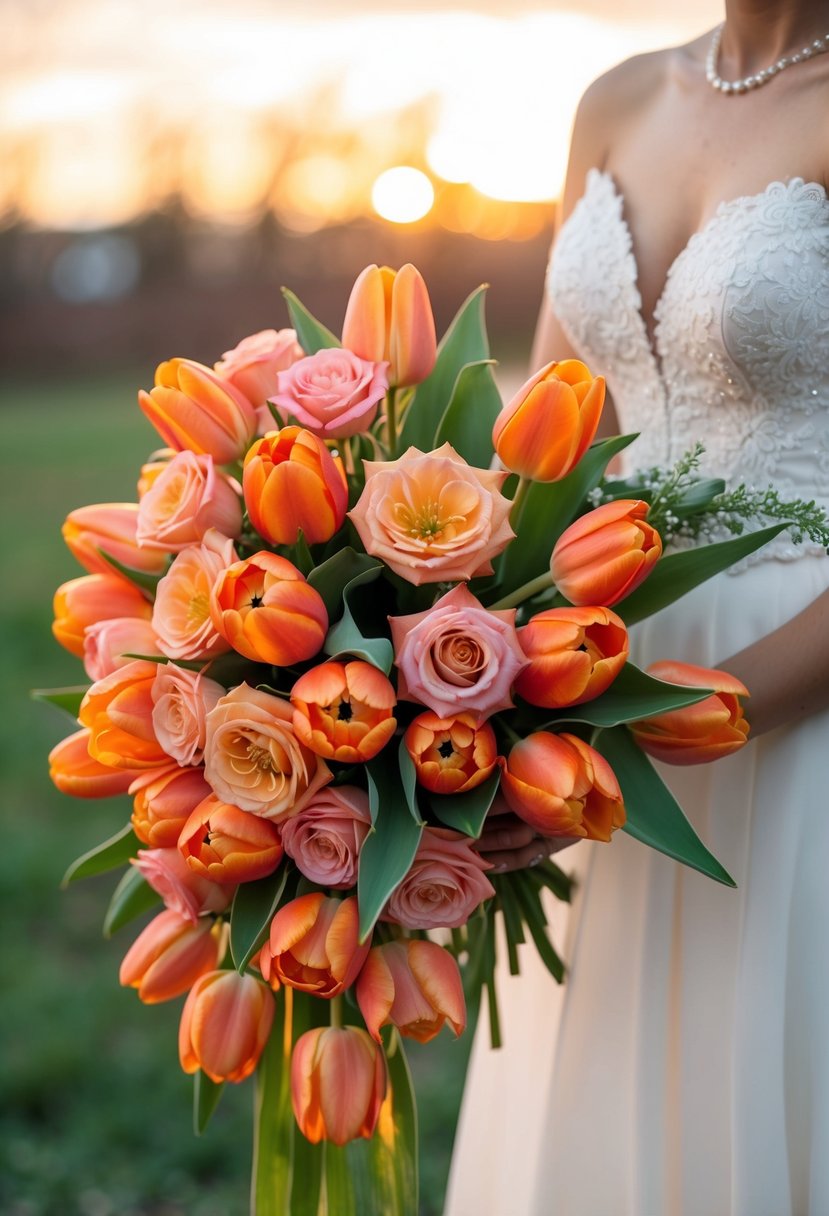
x,y
684,1068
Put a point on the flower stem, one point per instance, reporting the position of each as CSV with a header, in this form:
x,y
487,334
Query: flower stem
x,y
524,592
391,423
337,1011
518,497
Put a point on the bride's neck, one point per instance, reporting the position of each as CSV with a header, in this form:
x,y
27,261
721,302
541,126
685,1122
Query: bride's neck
x,y
757,32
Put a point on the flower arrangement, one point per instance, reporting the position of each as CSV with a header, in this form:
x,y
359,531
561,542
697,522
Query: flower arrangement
x,y
359,606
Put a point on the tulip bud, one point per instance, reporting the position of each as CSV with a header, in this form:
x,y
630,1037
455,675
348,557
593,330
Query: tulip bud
x,y
225,1025
338,1083
75,772
293,483
343,711
606,553
453,754
414,985
224,844
169,956
314,945
574,653
194,409
119,713
550,423
389,318
561,786
267,611
109,528
163,801
92,598
696,733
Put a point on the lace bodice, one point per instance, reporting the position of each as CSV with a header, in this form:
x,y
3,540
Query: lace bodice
x,y
740,358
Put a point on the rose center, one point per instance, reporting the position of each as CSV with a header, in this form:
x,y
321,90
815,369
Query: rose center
x,y
260,757
198,609
424,521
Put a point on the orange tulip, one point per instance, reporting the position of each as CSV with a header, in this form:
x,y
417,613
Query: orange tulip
x,y
697,733
109,528
415,985
225,1025
451,755
562,787
169,956
574,653
119,713
338,1083
194,409
267,611
92,598
163,801
343,711
314,945
75,772
222,843
550,423
606,553
292,482
389,318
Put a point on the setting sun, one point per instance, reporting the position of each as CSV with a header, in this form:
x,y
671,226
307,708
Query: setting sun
x,y
402,195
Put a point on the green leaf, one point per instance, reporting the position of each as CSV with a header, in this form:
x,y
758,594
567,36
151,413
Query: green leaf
x,y
698,496
141,578
653,814
110,855
678,573
251,913
307,1174
390,847
632,695
548,508
528,897
206,1094
470,415
513,925
331,577
67,699
311,334
345,638
466,812
132,897
465,341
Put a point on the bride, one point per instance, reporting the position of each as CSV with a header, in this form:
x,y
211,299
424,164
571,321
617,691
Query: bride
x,y
683,1070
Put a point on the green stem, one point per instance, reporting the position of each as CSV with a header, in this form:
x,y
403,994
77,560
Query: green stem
x,y
518,497
391,423
524,592
337,1011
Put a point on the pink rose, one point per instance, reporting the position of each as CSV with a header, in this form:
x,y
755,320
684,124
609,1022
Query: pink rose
x,y
254,365
183,891
181,613
254,760
444,886
182,700
431,517
106,644
333,393
187,498
325,838
457,656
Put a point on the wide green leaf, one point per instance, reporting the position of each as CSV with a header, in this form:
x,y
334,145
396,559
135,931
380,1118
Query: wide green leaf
x,y
632,695
132,897
470,415
390,847
346,638
251,913
332,577
142,579
67,699
466,812
311,333
653,814
678,573
110,855
465,341
206,1095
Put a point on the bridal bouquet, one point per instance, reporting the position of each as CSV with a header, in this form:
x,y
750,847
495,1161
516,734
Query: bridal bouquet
x,y
359,607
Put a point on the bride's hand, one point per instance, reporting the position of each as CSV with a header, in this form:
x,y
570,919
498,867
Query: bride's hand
x,y
510,844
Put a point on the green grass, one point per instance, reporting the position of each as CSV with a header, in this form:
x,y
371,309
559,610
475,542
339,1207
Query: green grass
x,y
95,1113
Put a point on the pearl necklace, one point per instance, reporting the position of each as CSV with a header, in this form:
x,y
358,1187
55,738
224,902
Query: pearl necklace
x,y
818,47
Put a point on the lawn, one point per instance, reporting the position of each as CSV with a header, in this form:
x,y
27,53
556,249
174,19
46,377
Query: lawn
x,y
95,1113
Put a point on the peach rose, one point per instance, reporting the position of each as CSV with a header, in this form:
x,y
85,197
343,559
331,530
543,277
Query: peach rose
x,y
182,700
254,760
152,468
333,393
183,892
444,886
325,838
253,366
188,497
431,517
181,614
107,644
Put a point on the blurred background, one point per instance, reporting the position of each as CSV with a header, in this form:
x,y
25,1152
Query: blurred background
x,y
164,169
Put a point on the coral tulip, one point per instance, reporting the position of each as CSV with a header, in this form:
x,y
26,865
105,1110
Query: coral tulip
x,y
93,598
415,985
389,318
550,423
267,611
314,945
574,653
338,1083
293,483
606,553
453,754
343,711
225,1025
696,733
163,802
562,787
119,713
193,409
108,529
169,956
75,772
224,844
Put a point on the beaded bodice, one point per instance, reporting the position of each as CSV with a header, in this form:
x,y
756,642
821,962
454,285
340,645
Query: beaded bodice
x,y
740,354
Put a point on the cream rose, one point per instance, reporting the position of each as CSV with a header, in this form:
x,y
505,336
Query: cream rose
x,y
181,613
444,886
325,838
182,700
188,497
